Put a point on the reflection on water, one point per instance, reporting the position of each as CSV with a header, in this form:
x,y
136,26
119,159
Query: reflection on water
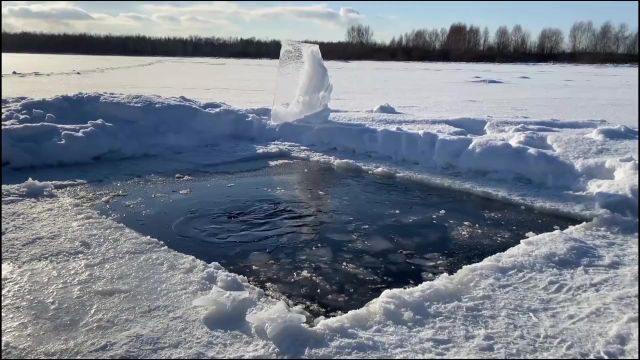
x,y
327,239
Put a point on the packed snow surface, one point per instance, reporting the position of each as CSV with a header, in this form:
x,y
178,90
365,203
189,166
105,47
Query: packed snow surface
x,y
421,90
76,284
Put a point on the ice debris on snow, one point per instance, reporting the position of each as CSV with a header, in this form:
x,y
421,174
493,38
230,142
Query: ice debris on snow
x,y
488,81
28,189
385,109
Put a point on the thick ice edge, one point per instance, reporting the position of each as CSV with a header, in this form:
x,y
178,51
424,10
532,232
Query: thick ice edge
x,y
580,157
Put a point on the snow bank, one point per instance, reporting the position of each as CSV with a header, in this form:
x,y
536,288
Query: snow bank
x,y
500,158
314,88
613,183
619,132
88,127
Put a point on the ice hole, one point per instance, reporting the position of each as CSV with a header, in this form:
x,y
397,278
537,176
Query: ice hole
x,y
328,239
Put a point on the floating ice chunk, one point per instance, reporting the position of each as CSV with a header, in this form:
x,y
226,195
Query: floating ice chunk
x,y
257,258
422,262
382,172
378,243
347,165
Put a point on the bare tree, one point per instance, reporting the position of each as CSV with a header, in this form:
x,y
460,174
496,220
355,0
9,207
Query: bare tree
x,y
632,44
591,37
519,39
474,38
578,37
620,38
502,39
456,37
433,38
443,37
359,34
604,40
418,39
485,38
550,41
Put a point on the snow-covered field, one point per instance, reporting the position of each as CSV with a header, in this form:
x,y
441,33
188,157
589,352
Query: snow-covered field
x,y
422,90
560,138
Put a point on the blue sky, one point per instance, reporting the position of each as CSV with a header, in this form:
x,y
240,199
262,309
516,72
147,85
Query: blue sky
x,y
300,20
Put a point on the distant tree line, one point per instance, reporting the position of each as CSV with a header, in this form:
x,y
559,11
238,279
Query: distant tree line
x,y
138,45
460,42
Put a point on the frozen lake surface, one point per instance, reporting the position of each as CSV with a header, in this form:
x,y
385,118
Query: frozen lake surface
x,y
420,90
169,143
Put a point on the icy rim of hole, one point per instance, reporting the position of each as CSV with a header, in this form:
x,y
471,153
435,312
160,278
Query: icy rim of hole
x,y
288,214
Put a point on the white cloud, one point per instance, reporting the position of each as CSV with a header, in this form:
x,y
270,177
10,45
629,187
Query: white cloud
x,y
135,16
165,18
318,13
46,12
161,19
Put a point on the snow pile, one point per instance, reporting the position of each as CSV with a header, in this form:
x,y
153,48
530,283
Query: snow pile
x,y
613,183
619,132
35,189
88,127
385,109
28,189
314,88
